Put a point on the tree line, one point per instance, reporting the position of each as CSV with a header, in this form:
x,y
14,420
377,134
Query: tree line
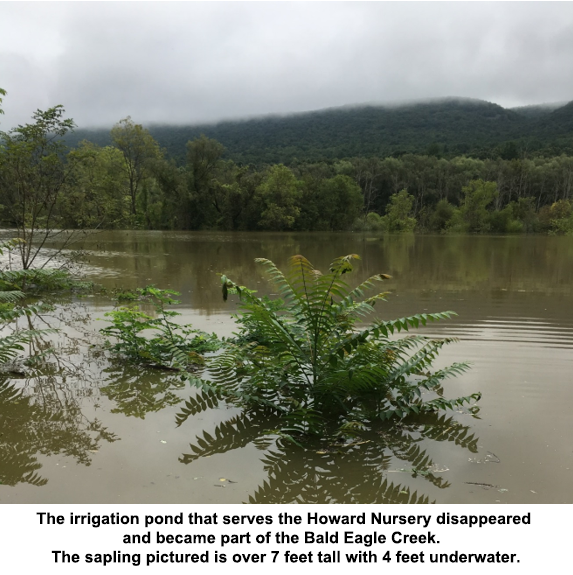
x,y
47,187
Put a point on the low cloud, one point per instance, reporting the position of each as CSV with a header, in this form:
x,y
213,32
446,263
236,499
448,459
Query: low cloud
x,y
202,62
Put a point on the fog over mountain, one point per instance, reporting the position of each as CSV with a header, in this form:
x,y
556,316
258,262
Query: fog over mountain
x,y
189,63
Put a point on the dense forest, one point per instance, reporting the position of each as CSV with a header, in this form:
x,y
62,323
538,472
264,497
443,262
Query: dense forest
x,y
383,169
445,128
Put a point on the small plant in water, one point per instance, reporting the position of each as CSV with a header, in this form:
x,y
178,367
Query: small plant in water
x,y
34,281
128,325
304,359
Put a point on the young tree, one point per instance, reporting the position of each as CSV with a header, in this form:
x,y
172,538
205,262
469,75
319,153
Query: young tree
x,y
280,193
441,216
367,175
172,182
398,210
98,193
139,149
478,196
336,203
33,175
204,159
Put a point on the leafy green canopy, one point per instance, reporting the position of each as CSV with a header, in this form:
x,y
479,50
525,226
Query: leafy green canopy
x,y
33,176
305,359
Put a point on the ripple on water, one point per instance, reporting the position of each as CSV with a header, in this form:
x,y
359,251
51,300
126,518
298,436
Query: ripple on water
x,y
530,332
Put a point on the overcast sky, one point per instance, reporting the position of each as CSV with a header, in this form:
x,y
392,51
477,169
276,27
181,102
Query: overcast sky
x,y
201,62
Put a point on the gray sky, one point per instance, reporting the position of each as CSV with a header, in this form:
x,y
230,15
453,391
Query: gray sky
x,y
195,62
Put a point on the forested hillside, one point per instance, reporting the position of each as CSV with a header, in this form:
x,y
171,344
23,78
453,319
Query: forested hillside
x,y
445,128
537,111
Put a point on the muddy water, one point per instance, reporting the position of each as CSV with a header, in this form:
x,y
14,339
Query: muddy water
x,y
94,430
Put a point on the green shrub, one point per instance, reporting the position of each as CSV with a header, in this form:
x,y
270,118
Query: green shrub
x,y
515,227
561,226
478,195
561,218
499,220
36,280
524,211
557,219
456,223
307,362
128,325
441,216
372,223
398,211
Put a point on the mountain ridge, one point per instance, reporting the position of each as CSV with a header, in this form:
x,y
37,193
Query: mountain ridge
x,y
446,125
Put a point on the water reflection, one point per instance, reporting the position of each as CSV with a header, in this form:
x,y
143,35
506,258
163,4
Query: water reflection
x,y
46,423
137,392
188,262
514,300
358,471
43,412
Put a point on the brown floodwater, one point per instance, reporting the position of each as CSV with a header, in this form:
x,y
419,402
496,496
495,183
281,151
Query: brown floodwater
x,y
91,429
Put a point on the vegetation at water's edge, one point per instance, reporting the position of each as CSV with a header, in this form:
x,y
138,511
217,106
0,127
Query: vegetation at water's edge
x,y
130,326
48,191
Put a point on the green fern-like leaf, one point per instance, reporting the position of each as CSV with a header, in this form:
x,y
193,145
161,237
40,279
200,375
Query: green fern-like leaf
x,y
305,357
